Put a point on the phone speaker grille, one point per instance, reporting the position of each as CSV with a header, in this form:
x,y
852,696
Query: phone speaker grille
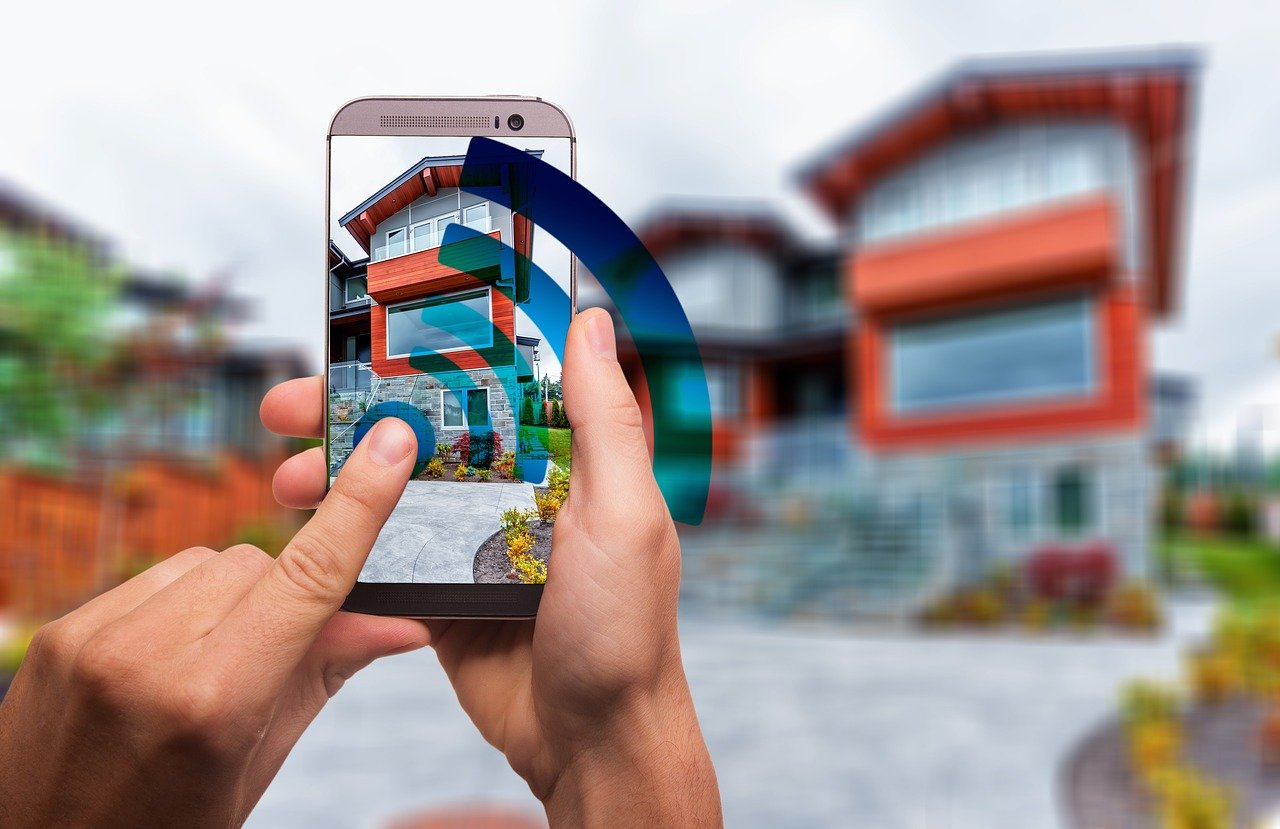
x,y
435,121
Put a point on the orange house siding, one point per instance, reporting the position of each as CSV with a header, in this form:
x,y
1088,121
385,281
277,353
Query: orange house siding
x,y
1119,403
419,275
1047,247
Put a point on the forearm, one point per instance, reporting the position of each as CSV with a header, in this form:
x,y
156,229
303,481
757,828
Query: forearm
x,y
651,768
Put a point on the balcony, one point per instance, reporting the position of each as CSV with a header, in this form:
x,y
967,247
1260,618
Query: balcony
x,y
350,377
1067,243
425,239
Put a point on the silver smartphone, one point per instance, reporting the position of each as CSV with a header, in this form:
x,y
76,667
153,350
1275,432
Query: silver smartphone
x,y
447,308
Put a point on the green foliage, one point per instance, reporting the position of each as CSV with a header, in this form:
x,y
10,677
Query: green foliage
x,y
14,649
483,474
558,481
526,410
1145,701
516,520
435,468
548,506
55,344
1240,513
460,474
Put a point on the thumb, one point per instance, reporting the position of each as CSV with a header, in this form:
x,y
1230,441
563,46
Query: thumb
x,y
610,453
283,613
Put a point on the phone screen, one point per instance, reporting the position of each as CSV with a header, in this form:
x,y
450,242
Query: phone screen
x,y
448,309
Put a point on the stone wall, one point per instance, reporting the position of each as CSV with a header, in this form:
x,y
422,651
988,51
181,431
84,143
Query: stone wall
x,y
423,391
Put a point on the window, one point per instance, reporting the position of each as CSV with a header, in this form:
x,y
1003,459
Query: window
x,y
357,289
476,217
1072,500
725,389
464,408
395,243
1020,501
447,323
1037,351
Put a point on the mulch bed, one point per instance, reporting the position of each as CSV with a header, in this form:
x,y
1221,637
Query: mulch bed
x,y
451,469
1099,790
492,566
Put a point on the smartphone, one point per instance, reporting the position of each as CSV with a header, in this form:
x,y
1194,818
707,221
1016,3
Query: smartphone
x,y
447,308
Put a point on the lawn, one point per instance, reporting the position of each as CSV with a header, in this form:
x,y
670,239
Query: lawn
x,y
1245,570
556,440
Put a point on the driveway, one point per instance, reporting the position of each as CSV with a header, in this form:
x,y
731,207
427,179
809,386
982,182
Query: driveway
x,y
808,727
435,530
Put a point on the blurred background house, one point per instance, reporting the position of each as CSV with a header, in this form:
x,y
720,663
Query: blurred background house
x,y
959,380
131,415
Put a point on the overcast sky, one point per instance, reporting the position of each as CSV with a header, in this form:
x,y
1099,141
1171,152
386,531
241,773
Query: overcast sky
x,y
194,136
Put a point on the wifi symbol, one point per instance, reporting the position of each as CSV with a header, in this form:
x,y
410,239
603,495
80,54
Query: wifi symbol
x,y
634,283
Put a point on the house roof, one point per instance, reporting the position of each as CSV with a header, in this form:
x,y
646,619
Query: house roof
x,y
422,178
1149,90
688,224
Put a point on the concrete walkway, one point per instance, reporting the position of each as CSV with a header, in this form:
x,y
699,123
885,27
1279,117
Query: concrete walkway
x,y
435,530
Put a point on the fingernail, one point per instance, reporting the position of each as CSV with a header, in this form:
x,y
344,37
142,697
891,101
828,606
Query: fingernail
x,y
600,335
389,443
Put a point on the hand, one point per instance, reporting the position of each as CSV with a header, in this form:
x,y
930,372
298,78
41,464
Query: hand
x,y
174,698
590,705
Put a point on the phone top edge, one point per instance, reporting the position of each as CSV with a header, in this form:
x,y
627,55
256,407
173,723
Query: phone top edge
x,y
410,115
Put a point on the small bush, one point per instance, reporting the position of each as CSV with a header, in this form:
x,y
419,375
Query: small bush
x,y
1191,800
516,520
1239,514
444,450
1212,677
1080,576
460,474
1144,701
483,474
558,481
435,468
505,465
527,567
548,505
1133,606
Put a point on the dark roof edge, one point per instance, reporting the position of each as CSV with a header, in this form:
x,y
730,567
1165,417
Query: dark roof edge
x,y
1181,58
417,167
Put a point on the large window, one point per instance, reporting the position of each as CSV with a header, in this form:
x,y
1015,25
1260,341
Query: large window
x,y
1039,351
447,323
466,408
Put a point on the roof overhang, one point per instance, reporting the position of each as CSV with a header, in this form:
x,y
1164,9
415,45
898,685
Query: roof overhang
x,y
1150,91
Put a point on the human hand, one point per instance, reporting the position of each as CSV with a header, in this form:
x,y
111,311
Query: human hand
x,y
589,703
174,698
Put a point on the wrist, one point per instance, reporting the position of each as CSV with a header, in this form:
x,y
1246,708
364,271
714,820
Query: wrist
x,y
646,765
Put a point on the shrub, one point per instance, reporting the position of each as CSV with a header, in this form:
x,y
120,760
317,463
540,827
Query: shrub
x,y
1080,576
558,481
435,468
1145,701
444,450
460,474
528,568
526,410
547,505
1190,800
505,465
483,474
478,447
1153,747
516,520
1134,606
1212,677
557,414
1239,514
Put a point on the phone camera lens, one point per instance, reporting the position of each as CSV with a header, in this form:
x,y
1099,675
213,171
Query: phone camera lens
x,y
516,122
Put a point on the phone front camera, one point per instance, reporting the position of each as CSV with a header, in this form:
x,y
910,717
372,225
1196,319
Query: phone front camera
x,y
516,122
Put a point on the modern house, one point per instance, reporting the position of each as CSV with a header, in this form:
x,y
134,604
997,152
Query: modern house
x,y
963,377
421,321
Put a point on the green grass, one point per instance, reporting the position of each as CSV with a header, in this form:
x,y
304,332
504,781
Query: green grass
x,y
1244,570
556,440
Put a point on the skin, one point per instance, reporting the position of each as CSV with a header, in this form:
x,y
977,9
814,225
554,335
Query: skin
x,y
174,698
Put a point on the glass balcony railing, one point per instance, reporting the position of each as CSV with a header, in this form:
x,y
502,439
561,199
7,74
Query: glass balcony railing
x,y
350,376
426,239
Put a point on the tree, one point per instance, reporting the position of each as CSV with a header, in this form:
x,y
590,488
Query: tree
x,y
55,344
526,410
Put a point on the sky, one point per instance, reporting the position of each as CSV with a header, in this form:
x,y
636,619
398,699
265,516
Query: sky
x,y
194,137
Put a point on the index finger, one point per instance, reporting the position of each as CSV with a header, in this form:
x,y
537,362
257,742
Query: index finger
x,y
295,408
282,614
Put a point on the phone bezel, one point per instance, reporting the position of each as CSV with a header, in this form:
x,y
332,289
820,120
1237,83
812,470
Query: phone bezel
x,y
365,116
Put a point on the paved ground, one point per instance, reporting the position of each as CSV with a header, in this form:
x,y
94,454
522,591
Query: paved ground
x,y
435,530
807,728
